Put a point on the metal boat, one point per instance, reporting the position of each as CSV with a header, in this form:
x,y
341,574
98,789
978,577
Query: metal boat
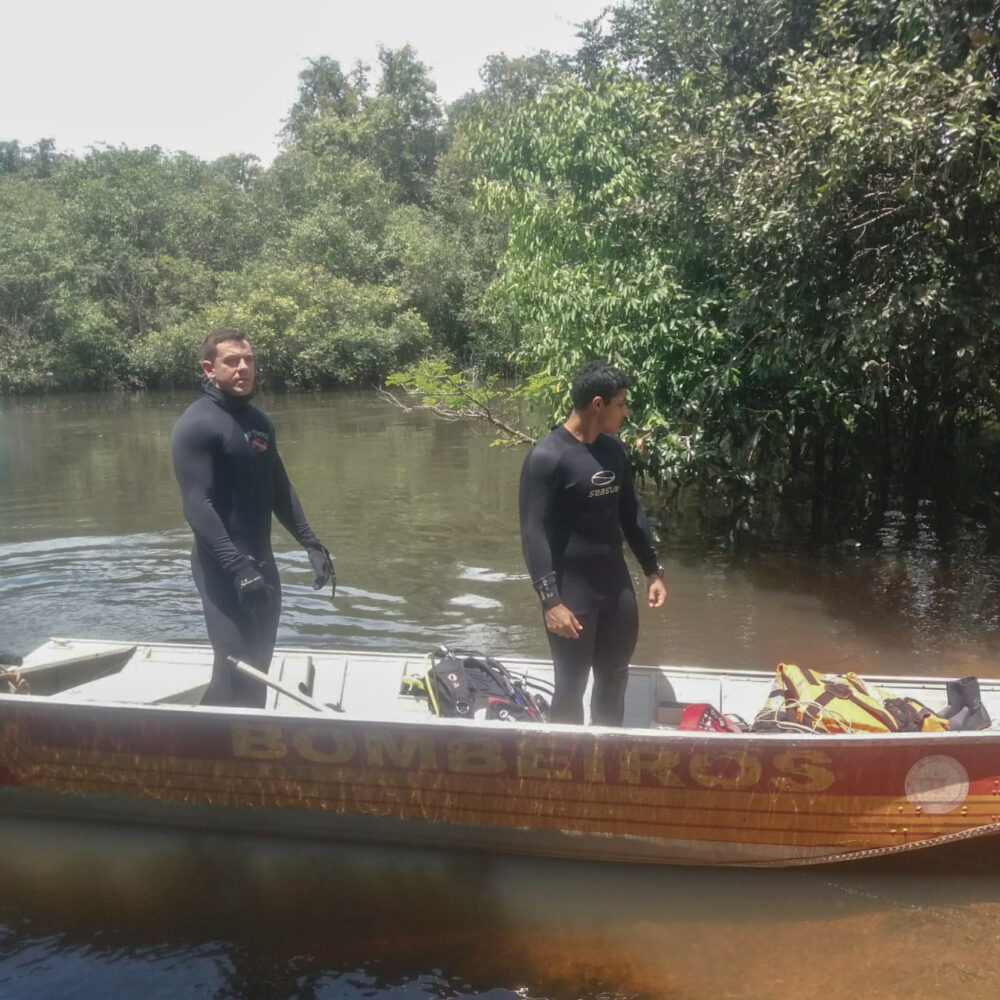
x,y
346,747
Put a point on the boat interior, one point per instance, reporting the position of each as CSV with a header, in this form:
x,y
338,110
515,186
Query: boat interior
x,y
370,685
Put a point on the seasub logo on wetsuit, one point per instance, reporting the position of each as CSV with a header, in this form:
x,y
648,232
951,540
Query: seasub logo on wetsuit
x,y
258,440
605,483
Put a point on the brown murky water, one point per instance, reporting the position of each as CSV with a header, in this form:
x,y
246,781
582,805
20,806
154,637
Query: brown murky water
x,y
422,519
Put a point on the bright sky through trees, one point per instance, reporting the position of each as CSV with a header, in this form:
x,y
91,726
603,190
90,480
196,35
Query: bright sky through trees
x,y
217,76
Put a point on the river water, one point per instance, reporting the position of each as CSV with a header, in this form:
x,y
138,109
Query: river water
x,y
421,516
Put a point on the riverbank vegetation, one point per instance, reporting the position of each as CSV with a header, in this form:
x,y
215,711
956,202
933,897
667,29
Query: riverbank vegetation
x,y
781,216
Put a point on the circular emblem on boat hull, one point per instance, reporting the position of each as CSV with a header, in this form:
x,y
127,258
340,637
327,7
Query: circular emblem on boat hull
x,y
937,784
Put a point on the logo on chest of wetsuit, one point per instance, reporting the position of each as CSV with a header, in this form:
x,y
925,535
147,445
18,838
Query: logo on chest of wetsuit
x,y
604,481
258,440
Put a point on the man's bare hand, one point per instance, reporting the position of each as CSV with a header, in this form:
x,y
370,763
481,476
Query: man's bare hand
x,y
560,620
657,591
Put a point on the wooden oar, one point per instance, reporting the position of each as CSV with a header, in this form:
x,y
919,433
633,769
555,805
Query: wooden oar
x,y
262,678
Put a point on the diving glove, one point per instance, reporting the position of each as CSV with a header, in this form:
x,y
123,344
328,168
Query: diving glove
x,y
322,566
251,587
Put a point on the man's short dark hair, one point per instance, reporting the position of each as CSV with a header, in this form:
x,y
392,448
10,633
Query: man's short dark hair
x,y
210,348
596,378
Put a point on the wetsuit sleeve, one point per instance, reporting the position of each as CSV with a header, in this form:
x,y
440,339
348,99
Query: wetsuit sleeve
x,y
192,448
536,502
635,525
288,508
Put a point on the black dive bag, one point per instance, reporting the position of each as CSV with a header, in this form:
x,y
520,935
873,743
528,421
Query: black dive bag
x,y
478,687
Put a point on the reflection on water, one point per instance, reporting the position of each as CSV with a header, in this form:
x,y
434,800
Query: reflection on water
x,y
422,517
92,911
417,513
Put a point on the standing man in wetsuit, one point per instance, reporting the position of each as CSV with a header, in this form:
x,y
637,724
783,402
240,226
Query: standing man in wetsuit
x,y
577,499
232,480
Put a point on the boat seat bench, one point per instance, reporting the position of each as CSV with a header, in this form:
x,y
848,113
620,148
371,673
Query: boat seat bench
x,y
372,685
368,685
147,683
151,679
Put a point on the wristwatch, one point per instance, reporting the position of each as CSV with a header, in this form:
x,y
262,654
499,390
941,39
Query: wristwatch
x,y
656,572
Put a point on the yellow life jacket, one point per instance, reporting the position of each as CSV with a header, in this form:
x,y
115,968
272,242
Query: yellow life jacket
x,y
840,703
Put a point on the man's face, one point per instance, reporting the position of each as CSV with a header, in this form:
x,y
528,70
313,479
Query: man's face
x,y
613,412
232,370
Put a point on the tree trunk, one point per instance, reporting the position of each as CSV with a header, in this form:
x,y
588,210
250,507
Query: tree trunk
x,y
819,483
943,477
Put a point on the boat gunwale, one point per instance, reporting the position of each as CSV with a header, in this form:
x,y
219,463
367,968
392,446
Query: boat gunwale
x,y
647,733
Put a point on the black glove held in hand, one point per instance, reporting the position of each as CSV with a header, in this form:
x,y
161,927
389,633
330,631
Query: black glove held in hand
x,y
251,587
322,566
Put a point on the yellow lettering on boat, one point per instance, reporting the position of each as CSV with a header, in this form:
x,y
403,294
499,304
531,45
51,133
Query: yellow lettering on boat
x,y
381,747
323,747
475,757
661,765
540,762
726,770
593,764
259,742
803,771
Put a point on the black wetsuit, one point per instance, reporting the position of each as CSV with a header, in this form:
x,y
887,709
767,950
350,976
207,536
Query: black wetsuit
x,y
576,502
232,480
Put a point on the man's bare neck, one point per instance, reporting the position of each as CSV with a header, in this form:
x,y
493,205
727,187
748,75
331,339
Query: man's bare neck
x,y
582,427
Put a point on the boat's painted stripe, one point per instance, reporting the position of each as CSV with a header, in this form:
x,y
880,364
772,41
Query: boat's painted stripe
x,y
21,750
489,801
497,794
348,804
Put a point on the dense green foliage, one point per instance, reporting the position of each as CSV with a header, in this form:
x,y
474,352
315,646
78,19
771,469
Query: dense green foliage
x,y
359,250
782,217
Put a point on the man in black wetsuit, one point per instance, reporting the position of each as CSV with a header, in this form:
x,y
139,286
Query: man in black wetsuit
x,y
577,499
232,480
